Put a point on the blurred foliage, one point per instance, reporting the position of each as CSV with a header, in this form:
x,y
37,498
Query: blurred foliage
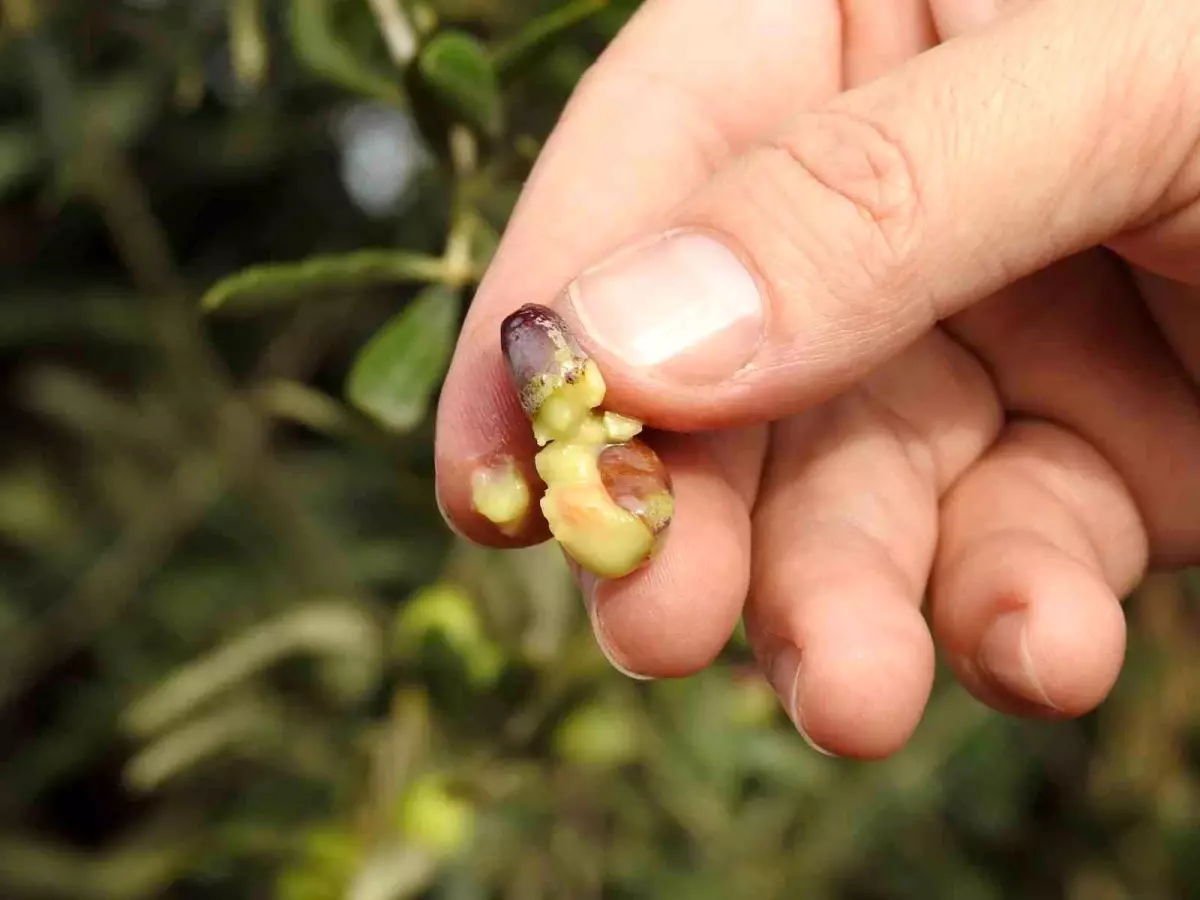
x,y
240,655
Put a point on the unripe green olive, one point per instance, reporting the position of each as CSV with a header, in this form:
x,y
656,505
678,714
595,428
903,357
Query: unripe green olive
x,y
436,818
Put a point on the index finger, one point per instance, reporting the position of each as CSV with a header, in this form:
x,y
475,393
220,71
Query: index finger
x,y
686,85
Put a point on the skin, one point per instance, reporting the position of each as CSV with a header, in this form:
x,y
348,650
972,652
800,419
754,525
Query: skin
x,y
979,379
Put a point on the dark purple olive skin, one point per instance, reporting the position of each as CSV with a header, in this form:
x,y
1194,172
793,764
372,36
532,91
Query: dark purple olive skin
x,y
541,352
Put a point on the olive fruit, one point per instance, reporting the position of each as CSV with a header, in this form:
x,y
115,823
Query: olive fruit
x,y
609,498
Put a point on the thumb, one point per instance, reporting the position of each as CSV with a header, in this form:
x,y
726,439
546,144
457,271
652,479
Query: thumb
x,y
814,257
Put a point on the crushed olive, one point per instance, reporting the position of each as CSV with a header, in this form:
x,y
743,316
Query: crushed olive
x,y
609,499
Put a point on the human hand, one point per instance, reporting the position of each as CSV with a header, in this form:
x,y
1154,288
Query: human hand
x,y
906,260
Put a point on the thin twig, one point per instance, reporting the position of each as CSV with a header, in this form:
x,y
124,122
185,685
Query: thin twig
x,y
397,31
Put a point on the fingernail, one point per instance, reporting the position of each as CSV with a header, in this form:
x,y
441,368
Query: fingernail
x,y
1004,657
783,671
589,585
683,305
441,505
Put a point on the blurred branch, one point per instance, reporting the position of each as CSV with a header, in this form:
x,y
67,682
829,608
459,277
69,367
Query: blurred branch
x,y
229,729
102,593
465,222
131,221
75,402
249,43
396,29
340,635
296,402
299,346
245,726
395,754
393,874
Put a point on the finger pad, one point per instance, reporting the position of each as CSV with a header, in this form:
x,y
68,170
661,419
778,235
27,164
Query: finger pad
x,y
866,675
1075,628
1076,635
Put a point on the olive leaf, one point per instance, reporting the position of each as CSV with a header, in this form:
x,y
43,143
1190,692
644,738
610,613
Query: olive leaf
x,y
272,284
516,54
398,370
322,49
458,70
340,634
248,42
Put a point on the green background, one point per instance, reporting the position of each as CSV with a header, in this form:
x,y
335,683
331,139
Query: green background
x,y
240,654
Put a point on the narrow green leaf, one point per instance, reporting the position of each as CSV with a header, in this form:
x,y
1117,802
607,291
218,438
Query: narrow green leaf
x,y
209,735
397,372
273,284
321,48
535,40
248,41
457,68
339,634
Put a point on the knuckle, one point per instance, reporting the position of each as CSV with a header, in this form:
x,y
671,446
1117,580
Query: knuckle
x,y
1162,89
855,185
1143,62
862,167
